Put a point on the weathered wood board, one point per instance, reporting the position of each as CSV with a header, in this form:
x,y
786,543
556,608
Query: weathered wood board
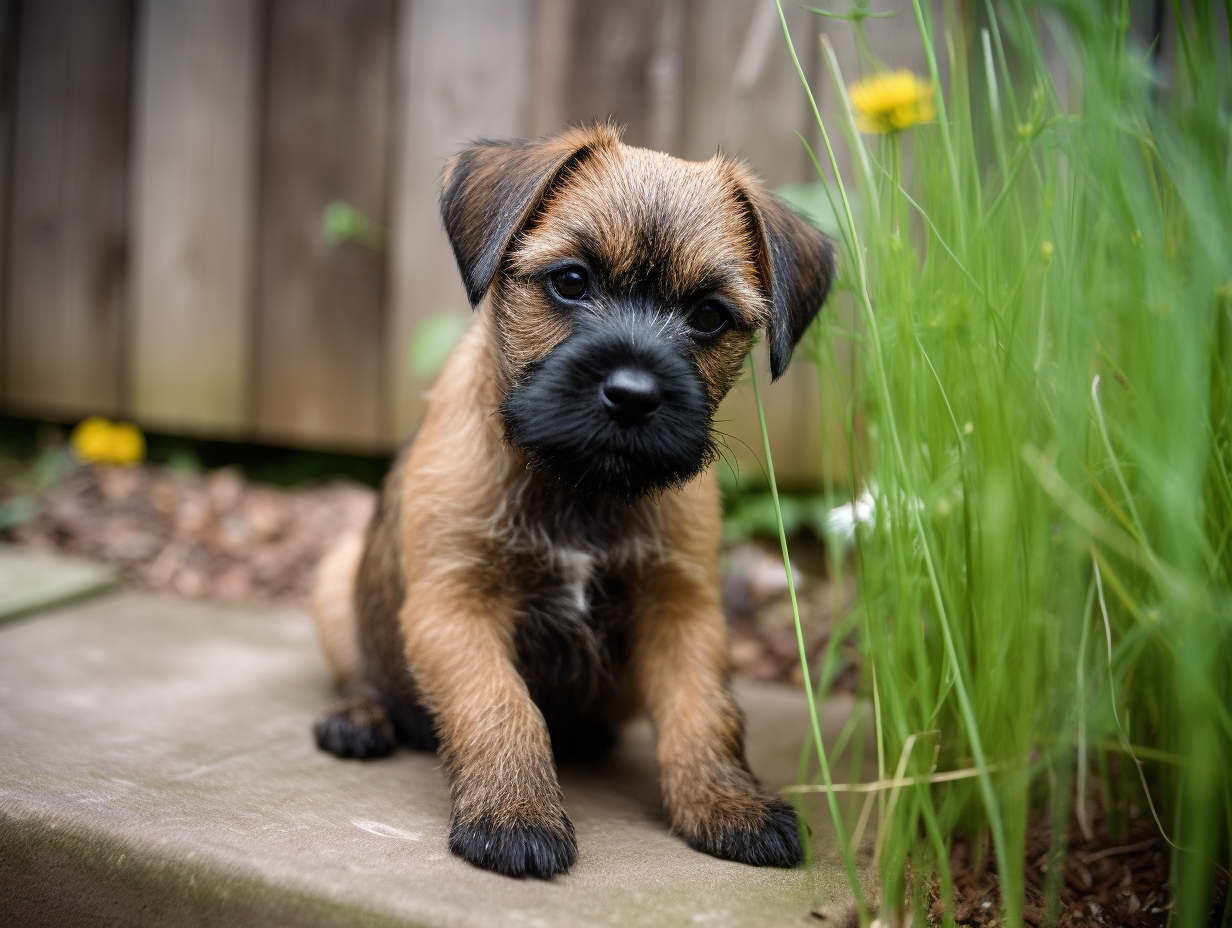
x,y
194,189
68,247
321,319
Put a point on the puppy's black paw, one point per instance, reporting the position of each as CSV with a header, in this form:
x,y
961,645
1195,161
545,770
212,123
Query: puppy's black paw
x,y
515,850
350,732
772,841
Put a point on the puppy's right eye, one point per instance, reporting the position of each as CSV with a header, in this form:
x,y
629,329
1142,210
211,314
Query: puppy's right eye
x,y
570,282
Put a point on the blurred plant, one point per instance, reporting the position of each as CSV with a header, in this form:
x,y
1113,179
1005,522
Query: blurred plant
x,y
342,223
858,13
24,479
751,514
431,342
810,200
1044,357
16,511
182,459
97,440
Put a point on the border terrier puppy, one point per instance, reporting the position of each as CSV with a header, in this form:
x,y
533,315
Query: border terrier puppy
x,y
542,564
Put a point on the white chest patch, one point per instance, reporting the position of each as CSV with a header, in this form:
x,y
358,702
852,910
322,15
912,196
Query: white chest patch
x,y
576,568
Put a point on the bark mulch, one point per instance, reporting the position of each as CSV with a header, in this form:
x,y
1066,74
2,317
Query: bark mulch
x,y
218,535
1105,879
195,534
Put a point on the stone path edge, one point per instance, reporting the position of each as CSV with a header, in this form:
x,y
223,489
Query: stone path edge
x,y
65,582
40,858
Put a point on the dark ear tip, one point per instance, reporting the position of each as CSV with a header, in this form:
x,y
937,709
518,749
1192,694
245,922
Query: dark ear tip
x,y
781,349
780,357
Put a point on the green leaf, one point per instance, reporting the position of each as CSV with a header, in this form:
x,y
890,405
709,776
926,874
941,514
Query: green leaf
x,y
432,341
17,511
810,200
342,223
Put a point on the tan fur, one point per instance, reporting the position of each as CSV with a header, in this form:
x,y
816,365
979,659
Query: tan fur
x,y
681,663
333,606
439,585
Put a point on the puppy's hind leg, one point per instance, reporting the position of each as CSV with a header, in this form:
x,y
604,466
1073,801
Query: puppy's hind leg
x,y
357,725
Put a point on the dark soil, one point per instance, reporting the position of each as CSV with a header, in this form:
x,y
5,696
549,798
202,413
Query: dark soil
x,y
1105,880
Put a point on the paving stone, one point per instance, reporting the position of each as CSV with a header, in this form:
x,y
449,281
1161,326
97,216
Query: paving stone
x,y
156,767
31,581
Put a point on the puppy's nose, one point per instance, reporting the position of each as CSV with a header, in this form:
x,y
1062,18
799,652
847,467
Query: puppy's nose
x,y
630,395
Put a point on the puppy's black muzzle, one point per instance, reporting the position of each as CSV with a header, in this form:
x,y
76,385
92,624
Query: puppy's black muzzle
x,y
619,408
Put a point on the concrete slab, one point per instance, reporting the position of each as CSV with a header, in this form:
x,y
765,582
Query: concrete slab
x,y
156,767
30,581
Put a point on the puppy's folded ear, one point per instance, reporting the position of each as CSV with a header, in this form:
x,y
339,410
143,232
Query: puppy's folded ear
x,y
491,191
796,265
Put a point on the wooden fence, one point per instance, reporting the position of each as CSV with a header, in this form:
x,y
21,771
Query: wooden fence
x,y
166,164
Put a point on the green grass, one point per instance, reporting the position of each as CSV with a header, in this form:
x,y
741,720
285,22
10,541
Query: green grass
x,y
1043,283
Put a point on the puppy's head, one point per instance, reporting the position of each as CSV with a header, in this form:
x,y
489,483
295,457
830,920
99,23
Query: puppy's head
x,y
626,287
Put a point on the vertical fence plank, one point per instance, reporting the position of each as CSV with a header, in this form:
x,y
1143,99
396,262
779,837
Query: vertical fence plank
x,y
8,47
463,74
194,210
624,63
742,92
551,60
67,260
322,323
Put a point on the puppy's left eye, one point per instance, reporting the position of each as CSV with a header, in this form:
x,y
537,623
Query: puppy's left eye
x,y
570,282
709,318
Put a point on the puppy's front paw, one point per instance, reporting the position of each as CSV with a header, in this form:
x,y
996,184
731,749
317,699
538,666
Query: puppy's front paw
x,y
513,848
769,837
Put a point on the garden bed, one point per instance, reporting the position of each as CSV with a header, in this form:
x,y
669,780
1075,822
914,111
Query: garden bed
x,y
217,535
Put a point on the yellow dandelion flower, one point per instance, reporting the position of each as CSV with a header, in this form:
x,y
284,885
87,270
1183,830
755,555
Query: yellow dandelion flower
x,y
92,439
127,444
102,441
891,101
